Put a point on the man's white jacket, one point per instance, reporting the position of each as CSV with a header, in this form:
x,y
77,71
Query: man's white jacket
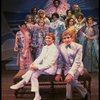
x,y
47,60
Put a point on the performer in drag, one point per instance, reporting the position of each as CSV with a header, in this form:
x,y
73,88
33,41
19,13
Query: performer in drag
x,y
22,46
56,6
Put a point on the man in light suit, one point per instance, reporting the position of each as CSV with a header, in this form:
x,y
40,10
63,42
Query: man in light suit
x,y
44,64
71,58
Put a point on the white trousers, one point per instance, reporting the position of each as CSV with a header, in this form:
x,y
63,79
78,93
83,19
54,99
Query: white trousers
x,y
33,77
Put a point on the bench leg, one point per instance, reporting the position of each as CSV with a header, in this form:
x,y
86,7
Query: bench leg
x,y
16,93
52,87
89,86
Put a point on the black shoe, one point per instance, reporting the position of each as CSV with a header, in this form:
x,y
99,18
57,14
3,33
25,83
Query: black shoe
x,y
86,97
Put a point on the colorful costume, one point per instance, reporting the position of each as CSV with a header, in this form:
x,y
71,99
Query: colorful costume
x,y
90,47
22,45
57,28
38,38
61,9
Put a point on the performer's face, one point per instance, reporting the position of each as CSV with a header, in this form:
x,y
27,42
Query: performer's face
x,y
29,19
56,3
23,27
67,39
90,20
69,13
55,18
76,8
49,40
41,14
71,22
79,18
34,11
41,23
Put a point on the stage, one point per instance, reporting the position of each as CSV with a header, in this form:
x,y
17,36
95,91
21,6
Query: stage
x,y
8,94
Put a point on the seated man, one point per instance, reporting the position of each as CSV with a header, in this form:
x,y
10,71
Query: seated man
x,y
44,64
71,58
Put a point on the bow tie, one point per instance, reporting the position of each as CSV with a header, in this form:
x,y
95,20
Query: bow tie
x,y
67,46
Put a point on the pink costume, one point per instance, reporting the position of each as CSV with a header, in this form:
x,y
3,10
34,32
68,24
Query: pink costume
x,y
22,42
61,9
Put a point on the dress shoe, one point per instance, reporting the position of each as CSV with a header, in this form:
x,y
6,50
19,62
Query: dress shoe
x,y
37,98
16,86
86,97
23,76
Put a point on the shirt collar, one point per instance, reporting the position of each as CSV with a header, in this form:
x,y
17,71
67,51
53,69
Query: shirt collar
x,y
50,46
69,45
